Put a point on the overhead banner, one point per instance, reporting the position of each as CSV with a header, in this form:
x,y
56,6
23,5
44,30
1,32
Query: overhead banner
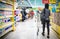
x,y
45,1
52,1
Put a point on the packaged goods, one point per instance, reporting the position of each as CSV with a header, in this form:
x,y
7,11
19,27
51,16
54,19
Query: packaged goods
x,y
1,30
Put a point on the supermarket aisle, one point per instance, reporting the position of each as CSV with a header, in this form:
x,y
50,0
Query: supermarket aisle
x,y
27,30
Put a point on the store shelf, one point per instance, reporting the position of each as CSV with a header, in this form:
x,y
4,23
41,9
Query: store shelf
x,y
56,33
6,25
6,2
5,9
5,32
6,16
56,28
51,17
54,24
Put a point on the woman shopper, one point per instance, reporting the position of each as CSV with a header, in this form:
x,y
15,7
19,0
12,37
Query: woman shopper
x,y
45,19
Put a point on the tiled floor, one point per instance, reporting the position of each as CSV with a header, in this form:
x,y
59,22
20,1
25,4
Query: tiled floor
x,y
28,30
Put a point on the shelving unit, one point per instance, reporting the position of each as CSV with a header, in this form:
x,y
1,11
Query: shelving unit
x,y
7,26
55,18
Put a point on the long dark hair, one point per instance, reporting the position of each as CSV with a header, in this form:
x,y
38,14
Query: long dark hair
x,y
47,6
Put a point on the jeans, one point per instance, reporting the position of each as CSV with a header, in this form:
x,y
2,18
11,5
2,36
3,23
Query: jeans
x,y
46,22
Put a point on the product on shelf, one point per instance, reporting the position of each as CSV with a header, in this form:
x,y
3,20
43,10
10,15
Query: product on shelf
x,y
8,6
1,30
6,20
8,27
56,18
5,13
4,0
3,5
1,12
1,22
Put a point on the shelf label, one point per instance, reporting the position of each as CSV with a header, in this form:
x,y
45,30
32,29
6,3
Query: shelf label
x,y
45,1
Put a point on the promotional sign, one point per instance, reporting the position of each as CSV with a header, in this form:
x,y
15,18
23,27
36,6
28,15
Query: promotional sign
x,y
52,1
53,9
58,8
45,1
50,8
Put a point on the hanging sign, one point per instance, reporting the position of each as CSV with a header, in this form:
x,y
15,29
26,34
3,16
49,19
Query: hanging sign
x,y
45,1
52,1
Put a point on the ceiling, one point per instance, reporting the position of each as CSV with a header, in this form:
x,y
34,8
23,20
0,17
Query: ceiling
x,y
29,3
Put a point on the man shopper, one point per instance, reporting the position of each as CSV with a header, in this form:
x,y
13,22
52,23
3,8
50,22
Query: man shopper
x,y
45,19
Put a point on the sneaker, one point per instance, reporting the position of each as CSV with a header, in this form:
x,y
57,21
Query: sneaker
x,y
43,34
47,36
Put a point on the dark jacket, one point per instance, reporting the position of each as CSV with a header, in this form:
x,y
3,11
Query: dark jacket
x,y
45,15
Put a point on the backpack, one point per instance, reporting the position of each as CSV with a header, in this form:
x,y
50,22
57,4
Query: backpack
x,y
43,15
